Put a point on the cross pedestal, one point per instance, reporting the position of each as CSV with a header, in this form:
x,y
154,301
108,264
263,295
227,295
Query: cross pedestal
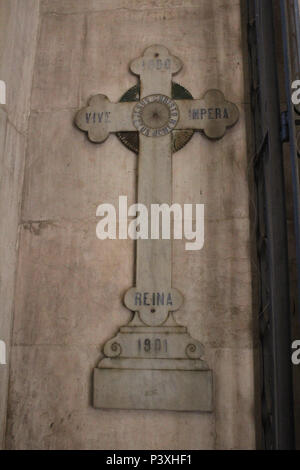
x,y
153,363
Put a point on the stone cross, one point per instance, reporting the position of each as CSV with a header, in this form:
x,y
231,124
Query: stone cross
x,y
153,363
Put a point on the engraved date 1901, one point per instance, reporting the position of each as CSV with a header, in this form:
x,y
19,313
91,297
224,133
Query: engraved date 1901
x,y
152,345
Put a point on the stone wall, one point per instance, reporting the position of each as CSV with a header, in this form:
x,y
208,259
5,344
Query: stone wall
x,y
18,33
69,285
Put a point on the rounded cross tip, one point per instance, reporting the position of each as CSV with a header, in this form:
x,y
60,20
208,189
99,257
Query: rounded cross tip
x,y
88,118
156,59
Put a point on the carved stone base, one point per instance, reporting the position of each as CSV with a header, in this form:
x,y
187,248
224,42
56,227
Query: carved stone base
x,y
153,389
153,368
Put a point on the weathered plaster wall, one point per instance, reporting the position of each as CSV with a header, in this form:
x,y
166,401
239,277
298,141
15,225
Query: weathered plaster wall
x,y
69,284
18,33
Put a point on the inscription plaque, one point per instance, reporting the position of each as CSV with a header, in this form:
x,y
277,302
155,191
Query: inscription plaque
x,y
153,362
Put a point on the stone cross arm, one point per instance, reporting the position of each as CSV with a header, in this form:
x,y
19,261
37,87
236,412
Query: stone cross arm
x,y
212,114
157,115
101,117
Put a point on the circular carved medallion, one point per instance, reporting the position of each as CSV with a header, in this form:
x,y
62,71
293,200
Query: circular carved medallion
x,y
155,115
179,137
